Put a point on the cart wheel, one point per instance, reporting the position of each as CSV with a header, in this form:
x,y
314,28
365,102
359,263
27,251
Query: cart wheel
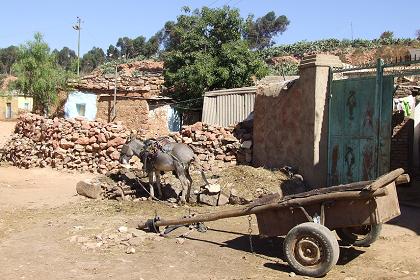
x,y
311,249
361,236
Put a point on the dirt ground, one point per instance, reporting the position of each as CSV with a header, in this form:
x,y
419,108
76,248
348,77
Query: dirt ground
x,y
6,129
42,224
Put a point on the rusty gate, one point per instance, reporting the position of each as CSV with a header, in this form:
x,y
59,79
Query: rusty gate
x,y
359,134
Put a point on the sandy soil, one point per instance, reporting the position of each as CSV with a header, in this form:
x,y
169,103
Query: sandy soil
x,y
42,223
39,215
6,128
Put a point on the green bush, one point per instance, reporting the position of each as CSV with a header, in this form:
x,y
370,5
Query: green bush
x,y
284,68
301,48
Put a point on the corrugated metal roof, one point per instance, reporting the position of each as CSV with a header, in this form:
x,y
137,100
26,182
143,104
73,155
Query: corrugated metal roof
x,y
231,91
228,107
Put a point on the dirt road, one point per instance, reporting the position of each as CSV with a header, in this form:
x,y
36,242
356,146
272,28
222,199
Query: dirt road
x,y
45,233
6,128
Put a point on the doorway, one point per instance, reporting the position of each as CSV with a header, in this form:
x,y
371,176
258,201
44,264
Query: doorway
x,y
8,110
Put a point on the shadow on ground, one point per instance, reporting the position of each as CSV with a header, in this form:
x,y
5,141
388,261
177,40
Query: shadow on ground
x,y
271,249
409,219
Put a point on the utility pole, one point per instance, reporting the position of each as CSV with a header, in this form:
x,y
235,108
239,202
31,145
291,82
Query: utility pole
x,y
351,28
114,109
117,61
78,27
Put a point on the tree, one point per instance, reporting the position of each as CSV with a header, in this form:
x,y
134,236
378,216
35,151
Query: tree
x,y
260,32
126,46
387,35
138,47
8,56
92,59
38,74
65,58
152,46
112,52
205,51
418,34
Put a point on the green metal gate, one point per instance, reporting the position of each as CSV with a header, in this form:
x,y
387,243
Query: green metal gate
x,y
360,116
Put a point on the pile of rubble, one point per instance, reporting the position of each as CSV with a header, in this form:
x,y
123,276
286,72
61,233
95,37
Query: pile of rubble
x,y
94,146
130,185
123,238
234,185
218,147
75,144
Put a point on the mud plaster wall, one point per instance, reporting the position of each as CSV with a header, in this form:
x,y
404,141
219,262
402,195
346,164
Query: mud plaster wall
x,y
158,120
135,114
290,126
281,125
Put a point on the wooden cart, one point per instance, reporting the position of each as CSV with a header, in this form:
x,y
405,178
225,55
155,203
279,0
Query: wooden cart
x,y
355,211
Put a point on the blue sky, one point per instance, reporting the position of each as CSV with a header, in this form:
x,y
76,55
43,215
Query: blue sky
x,y
105,21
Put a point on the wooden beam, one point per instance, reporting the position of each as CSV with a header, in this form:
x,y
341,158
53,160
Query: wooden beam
x,y
385,180
255,209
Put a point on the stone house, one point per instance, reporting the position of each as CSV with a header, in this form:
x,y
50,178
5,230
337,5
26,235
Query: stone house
x,y
138,100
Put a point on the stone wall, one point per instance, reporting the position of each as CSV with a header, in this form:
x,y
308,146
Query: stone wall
x,y
138,78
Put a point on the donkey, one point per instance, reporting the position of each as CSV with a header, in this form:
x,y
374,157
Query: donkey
x,y
171,157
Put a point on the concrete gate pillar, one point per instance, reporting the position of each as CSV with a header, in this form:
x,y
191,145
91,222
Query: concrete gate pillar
x,y
314,73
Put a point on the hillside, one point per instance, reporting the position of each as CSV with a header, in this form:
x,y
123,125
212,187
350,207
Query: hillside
x,y
354,52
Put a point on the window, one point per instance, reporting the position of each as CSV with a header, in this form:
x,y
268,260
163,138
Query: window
x,y
81,109
26,106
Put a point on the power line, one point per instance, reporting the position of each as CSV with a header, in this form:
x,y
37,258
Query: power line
x,y
212,3
188,100
237,2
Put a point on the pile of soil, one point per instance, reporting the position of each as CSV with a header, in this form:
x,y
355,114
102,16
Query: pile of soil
x,y
249,181
244,181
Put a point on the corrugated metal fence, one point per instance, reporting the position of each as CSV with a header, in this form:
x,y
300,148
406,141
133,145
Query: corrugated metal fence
x,y
228,107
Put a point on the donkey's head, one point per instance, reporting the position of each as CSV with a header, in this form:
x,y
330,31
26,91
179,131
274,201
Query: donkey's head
x,y
132,147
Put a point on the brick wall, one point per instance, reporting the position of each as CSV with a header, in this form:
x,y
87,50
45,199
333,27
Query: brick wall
x,y
402,142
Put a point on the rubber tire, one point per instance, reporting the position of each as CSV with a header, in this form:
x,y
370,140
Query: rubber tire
x,y
324,236
350,238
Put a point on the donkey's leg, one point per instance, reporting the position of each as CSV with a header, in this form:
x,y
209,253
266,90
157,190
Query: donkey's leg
x,y
158,184
151,180
180,171
187,174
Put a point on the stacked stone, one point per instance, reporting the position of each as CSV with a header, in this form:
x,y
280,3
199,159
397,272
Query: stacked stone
x,y
75,144
217,147
138,76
